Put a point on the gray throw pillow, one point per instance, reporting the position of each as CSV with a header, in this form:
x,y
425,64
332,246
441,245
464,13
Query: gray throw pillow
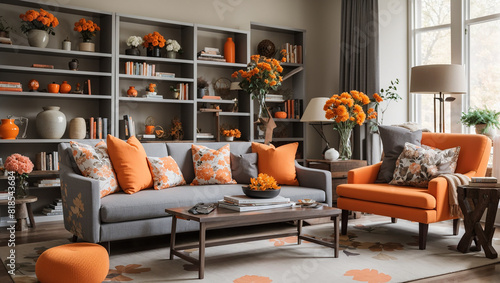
x,y
393,142
244,167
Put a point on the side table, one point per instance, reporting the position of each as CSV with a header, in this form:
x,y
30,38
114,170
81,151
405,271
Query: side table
x,y
23,211
338,168
482,198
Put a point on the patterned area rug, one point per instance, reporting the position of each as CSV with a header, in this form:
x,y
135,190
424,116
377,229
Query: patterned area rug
x,y
371,252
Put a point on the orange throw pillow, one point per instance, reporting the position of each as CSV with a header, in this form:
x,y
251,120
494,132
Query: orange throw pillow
x,y
130,163
277,162
211,166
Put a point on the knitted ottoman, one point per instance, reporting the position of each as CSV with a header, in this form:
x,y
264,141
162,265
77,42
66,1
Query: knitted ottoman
x,y
76,263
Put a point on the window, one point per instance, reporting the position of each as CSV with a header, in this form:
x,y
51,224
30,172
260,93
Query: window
x,y
474,28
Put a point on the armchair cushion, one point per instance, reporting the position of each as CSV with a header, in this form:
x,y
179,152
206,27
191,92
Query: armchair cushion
x,y
393,141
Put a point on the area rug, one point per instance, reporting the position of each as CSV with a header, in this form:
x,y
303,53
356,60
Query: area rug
x,y
371,252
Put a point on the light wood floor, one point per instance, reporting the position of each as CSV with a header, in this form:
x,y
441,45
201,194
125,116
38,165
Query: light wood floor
x,y
55,230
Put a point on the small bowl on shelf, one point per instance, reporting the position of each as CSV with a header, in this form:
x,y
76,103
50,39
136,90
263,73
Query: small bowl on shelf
x,y
260,194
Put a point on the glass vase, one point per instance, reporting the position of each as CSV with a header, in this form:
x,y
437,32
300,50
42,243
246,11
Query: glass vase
x,y
262,118
21,188
345,151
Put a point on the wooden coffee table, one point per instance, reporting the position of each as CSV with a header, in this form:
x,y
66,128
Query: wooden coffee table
x,y
224,218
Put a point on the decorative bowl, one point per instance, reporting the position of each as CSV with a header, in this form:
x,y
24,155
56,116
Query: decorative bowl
x,y
260,194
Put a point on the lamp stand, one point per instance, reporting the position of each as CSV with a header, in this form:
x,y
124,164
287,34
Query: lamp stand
x,y
439,97
319,130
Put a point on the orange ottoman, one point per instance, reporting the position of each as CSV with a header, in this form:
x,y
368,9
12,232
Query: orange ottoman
x,y
77,263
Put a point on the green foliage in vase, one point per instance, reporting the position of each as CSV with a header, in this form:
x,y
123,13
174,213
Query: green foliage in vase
x,y
481,116
388,95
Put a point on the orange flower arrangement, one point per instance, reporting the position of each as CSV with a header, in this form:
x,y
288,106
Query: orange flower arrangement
x,y
86,28
176,130
262,75
231,133
346,110
263,182
153,39
42,20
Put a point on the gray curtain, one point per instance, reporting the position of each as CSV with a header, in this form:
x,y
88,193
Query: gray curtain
x,y
359,65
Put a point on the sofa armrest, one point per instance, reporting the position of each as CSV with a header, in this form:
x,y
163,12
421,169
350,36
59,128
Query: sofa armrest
x,y
315,178
81,204
364,175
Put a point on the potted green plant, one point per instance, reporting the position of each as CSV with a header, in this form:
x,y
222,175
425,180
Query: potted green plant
x,y
485,120
202,86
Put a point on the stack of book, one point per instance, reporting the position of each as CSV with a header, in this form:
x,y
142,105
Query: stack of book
x,y
211,54
489,182
274,97
10,86
54,208
205,136
244,203
4,195
55,182
5,40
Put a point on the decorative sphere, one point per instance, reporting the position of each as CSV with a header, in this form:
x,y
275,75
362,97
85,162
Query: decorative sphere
x,y
331,154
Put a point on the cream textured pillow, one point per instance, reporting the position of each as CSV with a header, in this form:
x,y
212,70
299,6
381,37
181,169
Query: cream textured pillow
x,y
94,163
211,166
417,165
166,172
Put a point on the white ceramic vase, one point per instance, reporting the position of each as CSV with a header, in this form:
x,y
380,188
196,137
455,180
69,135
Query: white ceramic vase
x,y
332,154
51,123
77,128
87,46
38,38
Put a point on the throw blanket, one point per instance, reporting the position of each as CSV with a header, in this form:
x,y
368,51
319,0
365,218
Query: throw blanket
x,y
455,180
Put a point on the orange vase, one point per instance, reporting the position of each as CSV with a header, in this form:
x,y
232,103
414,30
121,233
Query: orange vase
x,y
8,130
65,87
132,92
229,52
53,88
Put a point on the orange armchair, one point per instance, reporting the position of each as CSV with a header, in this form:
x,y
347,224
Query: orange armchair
x,y
422,205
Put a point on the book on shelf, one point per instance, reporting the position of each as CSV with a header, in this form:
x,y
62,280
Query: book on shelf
x,y
483,180
210,50
152,96
205,136
10,86
484,185
183,89
215,97
242,208
10,89
97,127
43,66
5,40
165,75
243,199
211,59
4,195
47,161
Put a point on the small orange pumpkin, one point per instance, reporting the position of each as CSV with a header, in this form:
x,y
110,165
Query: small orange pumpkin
x,y
280,115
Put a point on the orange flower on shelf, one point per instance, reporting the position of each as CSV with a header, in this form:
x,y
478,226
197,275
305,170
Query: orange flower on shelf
x,y
231,133
263,182
41,20
153,39
86,28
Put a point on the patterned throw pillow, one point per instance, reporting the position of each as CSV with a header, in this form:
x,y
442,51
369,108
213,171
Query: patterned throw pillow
x,y
211,166
166,172
94,163
417,165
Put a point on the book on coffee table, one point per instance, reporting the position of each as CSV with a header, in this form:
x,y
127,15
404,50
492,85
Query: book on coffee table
x,y
250,207
243,199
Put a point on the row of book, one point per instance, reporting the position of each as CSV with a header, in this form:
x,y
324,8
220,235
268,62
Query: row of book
x,y
293,107
245,203
10,86
47,161
183,91
293,53
55,208
487,182
140,69
97,128
54,182
127,127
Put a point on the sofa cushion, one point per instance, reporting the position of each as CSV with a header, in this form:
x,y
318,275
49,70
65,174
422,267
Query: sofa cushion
x,y
211,166
151,203
130,163
277,162
417,165
244,167
94,162
393,142
166,172
182,154
389,194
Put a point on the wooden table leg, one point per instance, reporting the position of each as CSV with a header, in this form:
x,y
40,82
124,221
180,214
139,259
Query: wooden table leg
x,y
299,231
489,226
172,236
336,233
21,215
30,215
201,265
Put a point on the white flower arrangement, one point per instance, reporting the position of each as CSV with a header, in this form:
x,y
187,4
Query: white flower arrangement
x,y
134,41
173,45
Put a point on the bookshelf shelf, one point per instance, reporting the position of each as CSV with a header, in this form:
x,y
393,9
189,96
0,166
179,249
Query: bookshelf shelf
x,y
52,51
156,78
19,69
154,59
154,100
55,95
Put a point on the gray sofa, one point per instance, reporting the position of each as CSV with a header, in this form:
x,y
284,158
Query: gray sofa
x,y
122,216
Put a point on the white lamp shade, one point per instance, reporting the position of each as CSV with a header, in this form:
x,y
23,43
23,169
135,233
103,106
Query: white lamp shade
x,y
314,111
438,78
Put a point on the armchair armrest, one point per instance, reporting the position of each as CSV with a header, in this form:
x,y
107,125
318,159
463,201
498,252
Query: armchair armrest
x,y
315,178
81,204
363,175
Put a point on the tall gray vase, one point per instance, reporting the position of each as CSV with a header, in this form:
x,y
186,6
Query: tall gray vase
x,y
51,123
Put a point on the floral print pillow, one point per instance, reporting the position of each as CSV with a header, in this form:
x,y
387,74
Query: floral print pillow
x,y
166,173
211,166
417,165
94,163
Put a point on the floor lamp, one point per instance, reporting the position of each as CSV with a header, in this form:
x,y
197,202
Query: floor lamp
x,y
315,115
438,80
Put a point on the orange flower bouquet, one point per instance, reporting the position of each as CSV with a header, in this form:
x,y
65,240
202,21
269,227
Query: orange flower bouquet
x,y
346,110
87,29
263,182
153,39
42,20
176,131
